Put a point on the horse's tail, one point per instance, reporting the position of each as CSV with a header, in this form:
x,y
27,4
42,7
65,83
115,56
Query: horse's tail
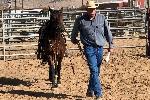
x,y
38,52
40,42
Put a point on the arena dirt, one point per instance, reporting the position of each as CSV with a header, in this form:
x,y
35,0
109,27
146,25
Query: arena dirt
x,y
125,77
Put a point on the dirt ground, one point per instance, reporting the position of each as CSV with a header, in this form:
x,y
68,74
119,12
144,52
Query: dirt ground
x,y
125,77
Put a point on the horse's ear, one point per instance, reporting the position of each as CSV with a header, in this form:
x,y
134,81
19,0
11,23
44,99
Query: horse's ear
x,y
50,9
61,9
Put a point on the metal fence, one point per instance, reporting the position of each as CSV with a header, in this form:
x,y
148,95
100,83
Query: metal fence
x,y
18,32
121,21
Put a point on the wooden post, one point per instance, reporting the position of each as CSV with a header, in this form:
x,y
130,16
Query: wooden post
x,y
148,29
22,4
148,35
3,35
15,6
129,1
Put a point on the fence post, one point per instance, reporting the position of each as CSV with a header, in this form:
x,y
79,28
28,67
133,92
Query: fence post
x,y
148,29
148,35
3,35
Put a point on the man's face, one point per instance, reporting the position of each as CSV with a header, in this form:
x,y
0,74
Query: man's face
x,y
91,12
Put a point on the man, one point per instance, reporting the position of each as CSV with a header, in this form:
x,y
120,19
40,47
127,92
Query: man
x,y
94,30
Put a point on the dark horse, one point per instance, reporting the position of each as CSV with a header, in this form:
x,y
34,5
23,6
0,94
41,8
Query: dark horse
x,y
52,45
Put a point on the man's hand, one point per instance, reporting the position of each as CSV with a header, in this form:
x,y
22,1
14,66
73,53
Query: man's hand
x,y
110,50
74,41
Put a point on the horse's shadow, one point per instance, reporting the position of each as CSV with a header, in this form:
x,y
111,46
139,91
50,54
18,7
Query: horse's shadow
x,y
17,82
13,82
42,94
36,94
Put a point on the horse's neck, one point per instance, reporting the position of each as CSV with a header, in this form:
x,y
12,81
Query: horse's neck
x,y
54,29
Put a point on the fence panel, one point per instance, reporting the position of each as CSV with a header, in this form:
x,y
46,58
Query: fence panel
x,y
18,32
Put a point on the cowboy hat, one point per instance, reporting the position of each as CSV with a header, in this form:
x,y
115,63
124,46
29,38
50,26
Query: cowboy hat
x,y
90,4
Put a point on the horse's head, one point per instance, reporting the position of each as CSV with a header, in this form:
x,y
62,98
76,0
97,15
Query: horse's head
x,y
56,16
53,27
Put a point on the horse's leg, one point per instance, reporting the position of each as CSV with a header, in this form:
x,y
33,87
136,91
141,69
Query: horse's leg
x,y
51,69
53,74
59,69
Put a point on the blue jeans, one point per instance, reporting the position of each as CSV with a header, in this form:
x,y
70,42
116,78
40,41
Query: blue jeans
x,y
94,57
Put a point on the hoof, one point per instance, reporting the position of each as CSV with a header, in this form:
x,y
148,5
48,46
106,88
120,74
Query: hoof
x,y
50,79
59,82
54,85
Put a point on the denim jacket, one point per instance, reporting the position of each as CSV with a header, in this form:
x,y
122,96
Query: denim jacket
x,y
92,32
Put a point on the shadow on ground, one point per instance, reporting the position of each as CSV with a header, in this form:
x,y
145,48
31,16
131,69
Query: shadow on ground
x,y
40,94
13,82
